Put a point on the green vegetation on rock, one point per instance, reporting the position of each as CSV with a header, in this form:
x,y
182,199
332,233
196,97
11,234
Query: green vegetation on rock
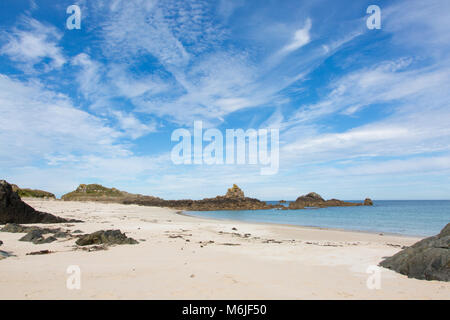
x,y
32,193
95,192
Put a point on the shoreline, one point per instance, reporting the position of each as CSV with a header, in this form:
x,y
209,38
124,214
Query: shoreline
x,y
382,233
184,257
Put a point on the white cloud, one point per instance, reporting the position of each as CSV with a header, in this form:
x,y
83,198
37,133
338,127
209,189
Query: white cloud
x,y
89,77
36,123
386,82
32,42
132,126
301,38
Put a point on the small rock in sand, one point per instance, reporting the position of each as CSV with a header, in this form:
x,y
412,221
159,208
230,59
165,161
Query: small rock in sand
x,y
33,235
15,228
61,234
105,237
4,254
39,252
44,240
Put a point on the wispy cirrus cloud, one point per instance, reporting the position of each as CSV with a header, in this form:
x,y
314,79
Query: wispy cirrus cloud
x,y
30,42
37,122
354,107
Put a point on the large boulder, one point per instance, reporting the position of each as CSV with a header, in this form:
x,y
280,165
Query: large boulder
x,y
14,210
428,259
107,237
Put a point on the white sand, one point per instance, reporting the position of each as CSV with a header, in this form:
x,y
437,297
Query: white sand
x,y
308,264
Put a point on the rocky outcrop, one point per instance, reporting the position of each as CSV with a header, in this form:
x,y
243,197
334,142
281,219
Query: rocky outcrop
x,y
108,237
14,210
234,199
235,193
368,202
428,259
32,193
314,200
97,192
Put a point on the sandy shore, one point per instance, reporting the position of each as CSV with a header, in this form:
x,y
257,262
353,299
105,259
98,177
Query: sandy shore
x,y
181,257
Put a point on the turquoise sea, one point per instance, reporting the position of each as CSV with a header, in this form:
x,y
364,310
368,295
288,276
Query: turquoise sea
x,y
414,218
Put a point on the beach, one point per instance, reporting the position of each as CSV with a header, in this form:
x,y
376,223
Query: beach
x,y
184,257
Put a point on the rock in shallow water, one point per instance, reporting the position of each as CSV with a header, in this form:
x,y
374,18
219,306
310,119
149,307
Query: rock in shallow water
x,y
428,259
105,237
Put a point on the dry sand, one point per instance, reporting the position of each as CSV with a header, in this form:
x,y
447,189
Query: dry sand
x,y
184,257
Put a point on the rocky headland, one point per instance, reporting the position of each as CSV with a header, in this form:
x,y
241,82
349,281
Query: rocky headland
x,y
97,192
32,193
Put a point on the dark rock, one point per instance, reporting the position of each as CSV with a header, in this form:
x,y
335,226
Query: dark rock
x,y
78,231
314,200
105,237
368,202
45,240
36,236
39,252
61,234
428,259
15,228
1,242
14,210
32,236
5,254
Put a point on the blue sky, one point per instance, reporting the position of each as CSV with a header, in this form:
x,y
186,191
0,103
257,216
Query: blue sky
x,y
361,113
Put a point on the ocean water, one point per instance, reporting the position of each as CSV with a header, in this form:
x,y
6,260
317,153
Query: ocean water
x,y
413,218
